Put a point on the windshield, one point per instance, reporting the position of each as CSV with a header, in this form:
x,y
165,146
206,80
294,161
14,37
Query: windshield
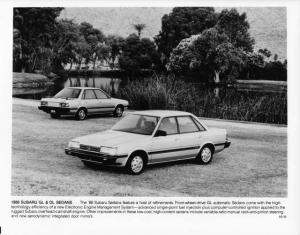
x,y
71,93
136,123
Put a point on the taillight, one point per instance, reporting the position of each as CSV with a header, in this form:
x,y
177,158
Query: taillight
x,y
44,103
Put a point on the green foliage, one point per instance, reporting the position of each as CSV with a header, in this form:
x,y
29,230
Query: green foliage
x,y
210,51
174,94
159,93
115,43
33,35
181,23
137,54
139,28
236,27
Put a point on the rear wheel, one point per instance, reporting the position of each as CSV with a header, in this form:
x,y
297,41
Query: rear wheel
x,y
205,155
135,164
119,111
81,114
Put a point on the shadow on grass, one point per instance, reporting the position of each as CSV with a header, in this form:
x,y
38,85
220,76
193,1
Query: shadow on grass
x,y
158,166
93,116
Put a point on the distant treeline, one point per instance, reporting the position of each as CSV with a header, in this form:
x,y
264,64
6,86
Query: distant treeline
x,y
193,42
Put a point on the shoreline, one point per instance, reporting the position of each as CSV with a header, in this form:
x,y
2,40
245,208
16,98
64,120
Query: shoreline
x,y
34,103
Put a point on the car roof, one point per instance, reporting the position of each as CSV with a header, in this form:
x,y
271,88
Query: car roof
x,y
162,113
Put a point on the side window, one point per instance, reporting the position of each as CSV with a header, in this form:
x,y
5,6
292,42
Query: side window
x,y
169,125
201,128
100,94
89,94
186,124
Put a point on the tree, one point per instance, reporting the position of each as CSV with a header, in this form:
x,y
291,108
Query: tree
x,y
94,37
181,23
139,28
137,54
33,29
116,43
210,51
236,27
65,39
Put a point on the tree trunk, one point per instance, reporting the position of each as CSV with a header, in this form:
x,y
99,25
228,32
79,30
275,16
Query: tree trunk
x,y
71,65
217,76
217,92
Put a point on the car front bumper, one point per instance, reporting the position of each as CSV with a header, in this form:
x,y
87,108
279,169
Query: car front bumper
x,y
98,158
57,110
227,144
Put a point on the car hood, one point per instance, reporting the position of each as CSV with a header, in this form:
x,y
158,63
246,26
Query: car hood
x,y
110,138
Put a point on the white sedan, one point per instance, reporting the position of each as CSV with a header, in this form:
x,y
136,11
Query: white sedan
x,y
82,101
149,137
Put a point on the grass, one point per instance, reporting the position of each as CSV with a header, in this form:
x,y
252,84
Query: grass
x,y
172,93
255,165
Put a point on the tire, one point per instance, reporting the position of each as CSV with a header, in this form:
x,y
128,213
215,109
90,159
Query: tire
x,y
135,164
54,115
118,112
205,155
81,114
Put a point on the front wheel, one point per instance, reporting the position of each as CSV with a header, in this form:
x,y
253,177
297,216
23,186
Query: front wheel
x,y
81,114
135,165
205,156
118,111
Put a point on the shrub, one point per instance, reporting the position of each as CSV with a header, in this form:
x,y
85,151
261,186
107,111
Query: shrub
x,y
171,93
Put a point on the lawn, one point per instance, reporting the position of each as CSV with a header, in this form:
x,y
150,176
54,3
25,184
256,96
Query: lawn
x,y
255,165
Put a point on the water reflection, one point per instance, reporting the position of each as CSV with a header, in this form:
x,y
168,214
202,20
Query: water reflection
x,y
110,85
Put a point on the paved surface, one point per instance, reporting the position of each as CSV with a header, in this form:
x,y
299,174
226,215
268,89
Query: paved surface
x,y
254,166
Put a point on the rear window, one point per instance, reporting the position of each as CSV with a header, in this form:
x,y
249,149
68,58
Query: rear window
x,y
71,93
186,125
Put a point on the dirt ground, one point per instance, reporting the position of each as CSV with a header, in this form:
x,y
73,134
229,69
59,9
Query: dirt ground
x,y
255,165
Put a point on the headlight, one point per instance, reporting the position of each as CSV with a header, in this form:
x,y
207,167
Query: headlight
x,y
73,144
64,105
109,151
44,103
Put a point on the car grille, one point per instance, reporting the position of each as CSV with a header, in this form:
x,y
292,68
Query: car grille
x,y
89,148
53,104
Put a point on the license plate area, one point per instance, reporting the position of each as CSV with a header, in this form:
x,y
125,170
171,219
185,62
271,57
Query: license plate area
x,y
52,111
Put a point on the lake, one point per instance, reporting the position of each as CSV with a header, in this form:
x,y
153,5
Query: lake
x,y
111,85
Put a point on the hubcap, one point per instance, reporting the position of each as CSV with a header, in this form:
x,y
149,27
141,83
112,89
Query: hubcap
x,y
81,114
206,154
137,164
119,111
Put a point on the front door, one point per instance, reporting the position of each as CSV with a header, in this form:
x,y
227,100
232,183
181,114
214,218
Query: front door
x,y
165,148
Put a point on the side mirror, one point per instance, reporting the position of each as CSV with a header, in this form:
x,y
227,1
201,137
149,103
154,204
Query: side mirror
x,y
160,133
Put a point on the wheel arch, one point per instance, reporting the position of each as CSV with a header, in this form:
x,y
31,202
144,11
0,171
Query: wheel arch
x,y
210,144
141,151
82,107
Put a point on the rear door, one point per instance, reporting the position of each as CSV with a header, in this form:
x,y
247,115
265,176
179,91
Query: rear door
x,y
105,102
90,101
190,136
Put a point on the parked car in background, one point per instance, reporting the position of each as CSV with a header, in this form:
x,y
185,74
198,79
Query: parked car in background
x,y
82,101
149,137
